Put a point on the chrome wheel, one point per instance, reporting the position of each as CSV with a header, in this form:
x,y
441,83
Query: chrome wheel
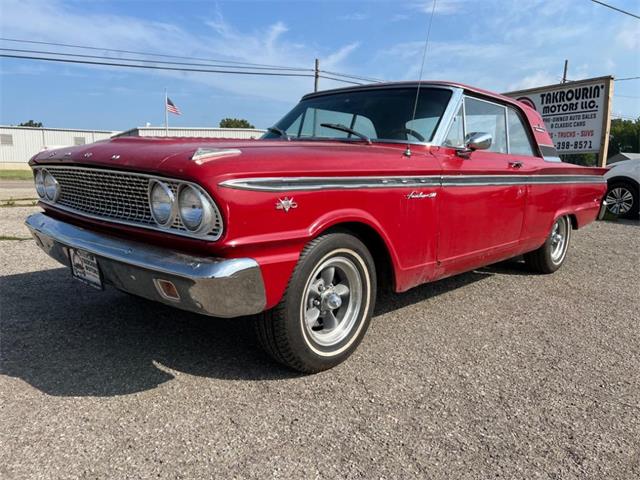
x,y
331,302
619,200
559,239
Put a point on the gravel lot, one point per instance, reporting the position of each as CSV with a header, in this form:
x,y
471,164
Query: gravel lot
x,y
491,374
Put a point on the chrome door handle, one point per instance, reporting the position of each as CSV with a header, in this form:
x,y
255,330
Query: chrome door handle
x,y
515,164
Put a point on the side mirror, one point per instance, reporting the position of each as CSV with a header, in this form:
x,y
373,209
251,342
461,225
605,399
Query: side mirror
x,y
475,141
478,141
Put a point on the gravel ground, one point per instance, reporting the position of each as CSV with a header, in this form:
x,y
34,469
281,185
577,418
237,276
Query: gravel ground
x,y
490,374
12,223
17,189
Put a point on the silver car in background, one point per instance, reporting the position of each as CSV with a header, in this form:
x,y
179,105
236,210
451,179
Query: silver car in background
x,y
623,180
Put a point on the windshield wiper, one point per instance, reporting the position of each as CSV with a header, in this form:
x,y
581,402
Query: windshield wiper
x,y
279,132
344,128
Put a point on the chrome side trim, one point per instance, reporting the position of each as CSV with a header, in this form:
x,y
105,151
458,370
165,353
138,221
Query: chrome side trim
x,y
276,184
212,286
495,180
279,184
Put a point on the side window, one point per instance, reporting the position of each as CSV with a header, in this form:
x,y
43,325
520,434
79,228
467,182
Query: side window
x,y
488,118
455,137
519,140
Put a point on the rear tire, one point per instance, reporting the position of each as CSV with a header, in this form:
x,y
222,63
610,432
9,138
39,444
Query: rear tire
x,y
552,254
327,307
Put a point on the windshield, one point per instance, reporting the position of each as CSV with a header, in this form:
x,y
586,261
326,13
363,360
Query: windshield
x,y
384,114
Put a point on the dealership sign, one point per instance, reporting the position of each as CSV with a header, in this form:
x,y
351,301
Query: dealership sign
x,y
576,114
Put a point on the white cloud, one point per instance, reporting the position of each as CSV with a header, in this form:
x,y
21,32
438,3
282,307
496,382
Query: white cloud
x,y
629,36
442,7
536,79
46,19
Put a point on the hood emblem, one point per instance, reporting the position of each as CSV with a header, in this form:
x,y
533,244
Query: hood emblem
x,y
204,154
286,204
88,154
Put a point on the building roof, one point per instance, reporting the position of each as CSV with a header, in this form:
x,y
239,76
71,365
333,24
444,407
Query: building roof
x,y
17,127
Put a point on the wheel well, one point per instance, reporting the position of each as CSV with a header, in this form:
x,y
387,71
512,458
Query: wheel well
x,y
622,179
574,221
377,247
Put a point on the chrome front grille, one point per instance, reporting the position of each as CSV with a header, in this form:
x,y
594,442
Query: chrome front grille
x,y
121,197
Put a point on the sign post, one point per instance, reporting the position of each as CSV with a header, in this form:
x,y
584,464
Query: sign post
x,y
577,114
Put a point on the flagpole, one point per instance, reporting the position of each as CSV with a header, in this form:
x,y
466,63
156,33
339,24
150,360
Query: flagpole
x,y
166,114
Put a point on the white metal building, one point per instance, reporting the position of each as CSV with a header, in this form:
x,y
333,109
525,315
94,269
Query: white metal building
x,y
239,133
19,144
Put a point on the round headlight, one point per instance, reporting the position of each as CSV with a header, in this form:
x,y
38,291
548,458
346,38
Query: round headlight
x,y
51,187
191,207
162,202
39,179
195,209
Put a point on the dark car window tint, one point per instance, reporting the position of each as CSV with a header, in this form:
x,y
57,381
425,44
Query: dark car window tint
x,y
383,114
519,140
486,117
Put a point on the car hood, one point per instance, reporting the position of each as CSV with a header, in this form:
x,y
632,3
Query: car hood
x,y
174,157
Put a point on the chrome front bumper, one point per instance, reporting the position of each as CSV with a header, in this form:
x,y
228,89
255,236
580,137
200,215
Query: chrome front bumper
x,y
211,286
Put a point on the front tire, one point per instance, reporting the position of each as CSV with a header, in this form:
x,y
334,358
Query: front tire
x,y
552,254
326,308
623,199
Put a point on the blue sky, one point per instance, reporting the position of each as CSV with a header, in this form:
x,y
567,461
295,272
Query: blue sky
x,y
495,44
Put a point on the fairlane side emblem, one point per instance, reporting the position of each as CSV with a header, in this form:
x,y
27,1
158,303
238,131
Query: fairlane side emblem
x,y
417,195
286,204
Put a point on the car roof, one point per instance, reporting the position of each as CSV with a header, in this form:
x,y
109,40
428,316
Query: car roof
x,y
423,83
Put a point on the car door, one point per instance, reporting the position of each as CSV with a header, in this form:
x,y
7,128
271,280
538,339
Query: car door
x,y
482,202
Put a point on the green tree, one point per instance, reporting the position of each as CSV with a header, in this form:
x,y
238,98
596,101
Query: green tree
x,y
235,123
624,136
30,123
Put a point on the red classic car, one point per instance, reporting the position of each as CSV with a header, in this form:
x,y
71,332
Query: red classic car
x,y
397,184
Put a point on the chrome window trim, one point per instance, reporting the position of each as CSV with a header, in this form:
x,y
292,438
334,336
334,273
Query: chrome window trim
x,y
449,114
285,184
156,228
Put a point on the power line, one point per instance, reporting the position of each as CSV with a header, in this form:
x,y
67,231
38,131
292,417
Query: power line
x,y
340,80
616,9
625,79
356,77
140,60
175,69
149,54
153,67
219,63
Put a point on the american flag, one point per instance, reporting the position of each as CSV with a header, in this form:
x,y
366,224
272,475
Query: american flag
x,y
172,108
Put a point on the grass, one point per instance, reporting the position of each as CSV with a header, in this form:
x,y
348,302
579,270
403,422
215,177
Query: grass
x,y
18,202
16,175
11,237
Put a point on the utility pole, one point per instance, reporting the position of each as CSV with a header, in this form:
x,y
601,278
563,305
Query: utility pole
x,y
166,114
564,74
316,75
